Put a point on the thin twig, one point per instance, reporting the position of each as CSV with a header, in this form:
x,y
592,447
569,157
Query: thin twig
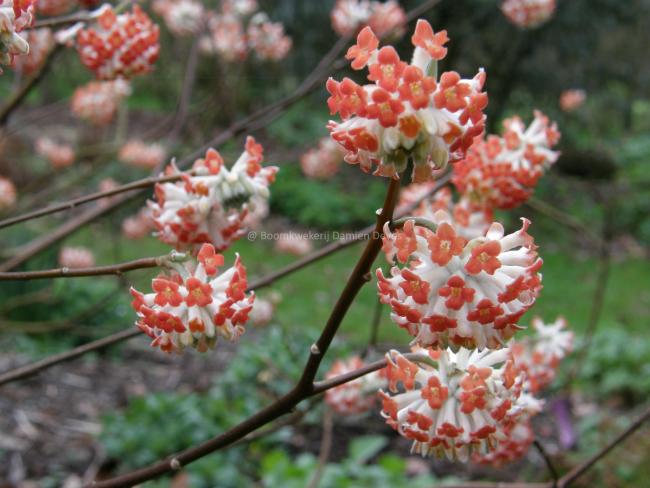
x,y
547,459
325,448
374,329
186,91
563,218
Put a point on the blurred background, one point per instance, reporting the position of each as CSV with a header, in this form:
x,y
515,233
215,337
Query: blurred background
x,y
129,405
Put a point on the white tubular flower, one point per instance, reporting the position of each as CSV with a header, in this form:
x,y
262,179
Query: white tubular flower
x,y
501,172
15,15
452,404
539,355
406,112
459,293
194,305
211,205
468,220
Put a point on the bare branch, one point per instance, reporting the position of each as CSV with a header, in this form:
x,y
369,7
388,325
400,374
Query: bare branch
x,y
547,460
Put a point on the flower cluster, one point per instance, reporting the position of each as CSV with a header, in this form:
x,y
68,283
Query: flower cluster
x,y
121,46
76,257
501,172
262,312
139,225
59,155
452,404
141,155
466,219
456,292
194,304
528,14
406,112
233,33
182,17
98,101
322,162
54,7
357,396
209,205
15,15
293,243
571,100
7,193
40,41
349,16
539,355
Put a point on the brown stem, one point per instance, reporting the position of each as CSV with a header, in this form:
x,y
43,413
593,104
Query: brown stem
x,y
547,460
303,389
70,204
186,91
325,449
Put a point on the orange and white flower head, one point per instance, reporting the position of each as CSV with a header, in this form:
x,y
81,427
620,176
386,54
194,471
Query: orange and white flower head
x,y
267,39
226,38
240,8
40,41
452,404
528,14
454,292
15,15
502,171
539,355
349,16
323,162
59,155
120,45
7,193
142,155
76,257
357,396
97,102
469,221
182,17
571,100
406,112
209,206
139,225
194,304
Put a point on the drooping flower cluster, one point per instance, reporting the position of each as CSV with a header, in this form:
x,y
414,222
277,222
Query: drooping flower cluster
x,y
349,16
322,162
357,396
455,292
54,7
98,101
452,404
182,17
139,225
7,193
502,171
539,355
571,100
210,205
262,312
40,41
466,219
120,46
15,15
406,112
76,257
142,155
233,33
535,358
528,14
59,155
195,304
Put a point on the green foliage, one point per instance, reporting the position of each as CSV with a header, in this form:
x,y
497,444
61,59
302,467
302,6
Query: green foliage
x,y
280,469
618,364
155,425
331,205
